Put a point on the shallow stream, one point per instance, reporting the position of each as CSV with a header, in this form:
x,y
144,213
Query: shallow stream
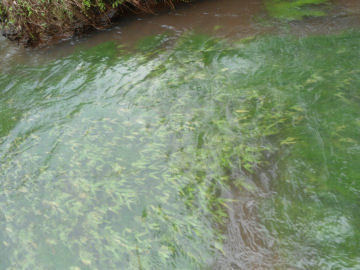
x,y
220,135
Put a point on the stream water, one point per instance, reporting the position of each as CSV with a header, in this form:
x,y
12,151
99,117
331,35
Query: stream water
x,y
220,135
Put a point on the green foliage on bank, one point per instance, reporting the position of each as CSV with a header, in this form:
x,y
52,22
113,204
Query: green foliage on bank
x,y
47,19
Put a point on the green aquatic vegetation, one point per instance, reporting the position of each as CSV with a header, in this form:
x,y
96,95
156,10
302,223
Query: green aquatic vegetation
x,y
151,43
294,9
120,160
314,214
131,172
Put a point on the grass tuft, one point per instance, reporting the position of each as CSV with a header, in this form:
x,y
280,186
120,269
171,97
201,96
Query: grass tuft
x,y
33,22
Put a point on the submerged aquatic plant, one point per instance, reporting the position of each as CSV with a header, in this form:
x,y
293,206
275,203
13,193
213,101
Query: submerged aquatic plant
x,y
294,9
123,163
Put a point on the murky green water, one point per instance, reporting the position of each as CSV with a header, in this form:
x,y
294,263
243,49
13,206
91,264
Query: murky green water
x,y
187,153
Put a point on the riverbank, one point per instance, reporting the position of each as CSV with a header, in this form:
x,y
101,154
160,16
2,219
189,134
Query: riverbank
x,y
47,21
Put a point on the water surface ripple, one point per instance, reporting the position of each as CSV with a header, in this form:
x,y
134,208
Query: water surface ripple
x,y
191,151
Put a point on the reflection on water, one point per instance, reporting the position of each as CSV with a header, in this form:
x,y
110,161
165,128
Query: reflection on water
x,y
190,151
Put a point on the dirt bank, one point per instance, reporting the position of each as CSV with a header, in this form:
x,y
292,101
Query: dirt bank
x,y
37,23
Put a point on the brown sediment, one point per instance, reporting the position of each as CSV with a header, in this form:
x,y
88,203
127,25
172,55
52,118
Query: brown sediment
x,y
32,23
349,4
247,243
